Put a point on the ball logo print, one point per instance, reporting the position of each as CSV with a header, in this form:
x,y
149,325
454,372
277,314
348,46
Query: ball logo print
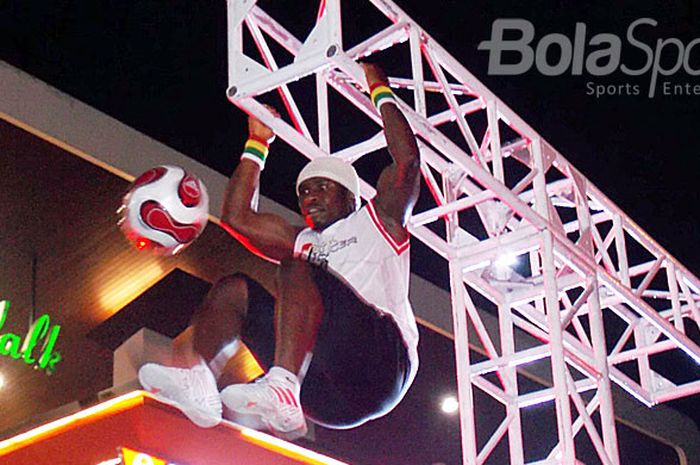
x,y
164,210
190,191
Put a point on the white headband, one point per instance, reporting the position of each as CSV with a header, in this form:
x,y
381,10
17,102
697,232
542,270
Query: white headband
x,y
335,169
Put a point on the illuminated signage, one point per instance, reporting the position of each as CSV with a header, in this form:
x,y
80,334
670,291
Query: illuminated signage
x,y
132,457
40,333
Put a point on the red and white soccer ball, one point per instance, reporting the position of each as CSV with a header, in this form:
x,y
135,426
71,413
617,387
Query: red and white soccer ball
x,y
165,210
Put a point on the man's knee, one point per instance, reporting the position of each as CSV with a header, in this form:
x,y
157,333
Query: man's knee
x,y
226,301
220,317
230,288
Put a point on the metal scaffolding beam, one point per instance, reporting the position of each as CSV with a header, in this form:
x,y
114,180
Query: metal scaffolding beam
x,y
498,190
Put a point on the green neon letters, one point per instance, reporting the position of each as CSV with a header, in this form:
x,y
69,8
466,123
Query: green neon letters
x,y
12,345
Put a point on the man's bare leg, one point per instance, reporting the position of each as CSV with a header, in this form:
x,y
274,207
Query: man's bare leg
x,y
275,401
220,318
189,382
216,322
298,313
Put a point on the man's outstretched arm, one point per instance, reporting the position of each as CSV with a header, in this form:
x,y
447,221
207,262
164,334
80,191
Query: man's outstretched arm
x,y
399,183
264,234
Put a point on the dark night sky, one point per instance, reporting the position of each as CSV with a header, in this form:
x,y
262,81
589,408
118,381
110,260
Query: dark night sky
x,y
161,67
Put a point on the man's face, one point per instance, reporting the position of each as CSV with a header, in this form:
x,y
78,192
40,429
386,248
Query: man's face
x,y
323,202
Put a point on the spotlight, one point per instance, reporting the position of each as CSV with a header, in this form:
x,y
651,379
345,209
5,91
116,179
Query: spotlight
x,y
502,267
449,405
505,260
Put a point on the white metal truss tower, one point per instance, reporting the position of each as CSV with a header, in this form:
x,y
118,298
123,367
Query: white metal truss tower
x,y
498,189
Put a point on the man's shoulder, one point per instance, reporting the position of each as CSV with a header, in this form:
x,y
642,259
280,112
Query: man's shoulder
x,y
349,218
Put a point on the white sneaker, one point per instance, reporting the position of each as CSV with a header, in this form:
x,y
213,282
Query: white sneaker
x,y
193,391
273,399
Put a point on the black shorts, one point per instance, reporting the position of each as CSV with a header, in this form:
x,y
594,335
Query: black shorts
x,y
360,363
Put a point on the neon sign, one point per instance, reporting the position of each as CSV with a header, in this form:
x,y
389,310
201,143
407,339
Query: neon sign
x,y
12,345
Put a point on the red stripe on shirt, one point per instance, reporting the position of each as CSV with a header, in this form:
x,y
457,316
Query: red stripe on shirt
x,y
398,248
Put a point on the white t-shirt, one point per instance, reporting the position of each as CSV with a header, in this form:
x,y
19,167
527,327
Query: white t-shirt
x,y
358,249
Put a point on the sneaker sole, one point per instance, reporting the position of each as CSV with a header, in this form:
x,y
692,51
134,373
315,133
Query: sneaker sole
x,y
256,419
288,435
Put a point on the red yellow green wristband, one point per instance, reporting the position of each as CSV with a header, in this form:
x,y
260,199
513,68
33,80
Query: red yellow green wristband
x,y
381,94
256,150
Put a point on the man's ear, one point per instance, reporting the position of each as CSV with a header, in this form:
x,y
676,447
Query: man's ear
x,y
350,199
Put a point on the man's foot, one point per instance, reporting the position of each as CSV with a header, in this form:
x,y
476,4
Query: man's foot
x,y
193,391
273,399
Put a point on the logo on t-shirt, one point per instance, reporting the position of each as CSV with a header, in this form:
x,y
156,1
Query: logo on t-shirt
x,y
319,254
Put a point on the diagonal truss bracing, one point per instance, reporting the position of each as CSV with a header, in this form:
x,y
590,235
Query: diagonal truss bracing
x,y
601,300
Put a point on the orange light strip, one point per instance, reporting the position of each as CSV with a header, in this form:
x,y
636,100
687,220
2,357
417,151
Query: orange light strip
x,y
134,457
287,449
111,406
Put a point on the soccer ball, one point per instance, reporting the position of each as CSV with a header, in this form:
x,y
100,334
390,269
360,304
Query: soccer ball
x,y
164,210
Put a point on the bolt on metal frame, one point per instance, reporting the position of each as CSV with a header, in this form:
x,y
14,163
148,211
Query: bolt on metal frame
x,y
497,188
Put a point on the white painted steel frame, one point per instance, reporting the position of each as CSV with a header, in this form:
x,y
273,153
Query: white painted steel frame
x,y
496,188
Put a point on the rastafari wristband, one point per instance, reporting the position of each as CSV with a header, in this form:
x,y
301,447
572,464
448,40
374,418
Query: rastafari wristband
x,y
380,94
256,150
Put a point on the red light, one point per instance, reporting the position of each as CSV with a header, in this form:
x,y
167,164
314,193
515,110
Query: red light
x,y
142,243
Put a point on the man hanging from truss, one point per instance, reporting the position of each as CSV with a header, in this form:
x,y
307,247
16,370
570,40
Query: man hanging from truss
x,y
337,337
